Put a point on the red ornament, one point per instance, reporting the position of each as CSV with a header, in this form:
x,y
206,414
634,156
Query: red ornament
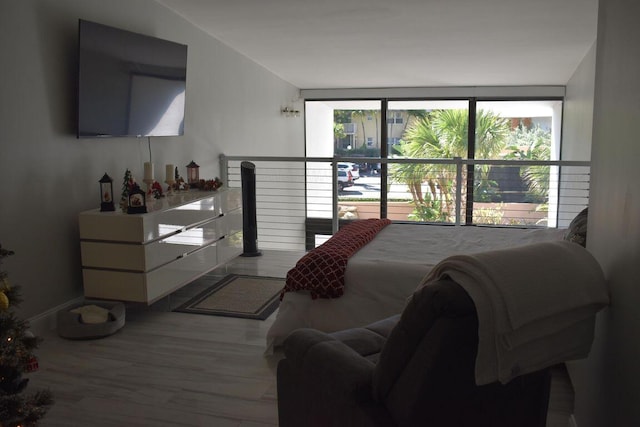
x,y
32,364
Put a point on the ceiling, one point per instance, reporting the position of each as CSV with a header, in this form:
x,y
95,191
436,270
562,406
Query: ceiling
x,y
316,44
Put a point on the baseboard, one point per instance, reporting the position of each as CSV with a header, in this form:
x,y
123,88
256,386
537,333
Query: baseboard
x,y
44,322
572,421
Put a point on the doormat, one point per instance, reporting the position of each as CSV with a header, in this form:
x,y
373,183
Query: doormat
x,y
248,297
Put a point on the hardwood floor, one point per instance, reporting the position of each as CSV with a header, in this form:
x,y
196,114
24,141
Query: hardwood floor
x,y
179,369
168,369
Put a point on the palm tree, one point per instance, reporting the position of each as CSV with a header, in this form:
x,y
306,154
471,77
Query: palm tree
x,y
413,115
420,141
442,134
338,133
532,144
361,114
376,114
491,134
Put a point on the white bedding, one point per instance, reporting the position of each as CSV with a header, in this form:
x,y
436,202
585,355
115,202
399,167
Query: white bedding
x,y
381,275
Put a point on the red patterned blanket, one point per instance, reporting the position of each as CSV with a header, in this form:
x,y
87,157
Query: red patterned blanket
x,y
321,270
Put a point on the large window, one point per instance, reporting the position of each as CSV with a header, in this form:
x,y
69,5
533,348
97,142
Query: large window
x,y
350,129
527,130
474,143
430,129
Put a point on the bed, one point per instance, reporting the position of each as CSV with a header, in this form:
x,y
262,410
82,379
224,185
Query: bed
x,y
383,273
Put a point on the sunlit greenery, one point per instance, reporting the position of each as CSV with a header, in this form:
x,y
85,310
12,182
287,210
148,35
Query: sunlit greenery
x,y
532,144
442,134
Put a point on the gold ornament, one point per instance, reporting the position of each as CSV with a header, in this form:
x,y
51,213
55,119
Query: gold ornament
x,y
4,301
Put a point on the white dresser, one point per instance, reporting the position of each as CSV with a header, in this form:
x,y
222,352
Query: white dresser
x,y
143,257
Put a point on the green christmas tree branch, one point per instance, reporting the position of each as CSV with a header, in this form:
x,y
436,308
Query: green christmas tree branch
x,y
17,344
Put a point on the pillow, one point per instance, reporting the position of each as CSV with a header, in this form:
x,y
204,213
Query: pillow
x,y
577,231
92,313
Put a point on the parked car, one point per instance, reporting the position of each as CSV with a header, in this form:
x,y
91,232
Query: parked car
x,y
351,167
345,179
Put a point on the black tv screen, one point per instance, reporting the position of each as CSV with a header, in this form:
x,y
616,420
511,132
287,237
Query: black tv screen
x,y
129,84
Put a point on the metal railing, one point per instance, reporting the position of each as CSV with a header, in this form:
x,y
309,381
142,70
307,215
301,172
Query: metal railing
x,y
294,192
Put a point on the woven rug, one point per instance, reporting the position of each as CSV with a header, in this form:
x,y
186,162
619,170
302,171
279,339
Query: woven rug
x,y
249,297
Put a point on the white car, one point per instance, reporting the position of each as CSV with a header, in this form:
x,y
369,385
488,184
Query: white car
x,y
351,167
345,179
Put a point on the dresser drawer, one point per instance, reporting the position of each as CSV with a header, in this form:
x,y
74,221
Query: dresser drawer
x,y
148,287
136,257
230,247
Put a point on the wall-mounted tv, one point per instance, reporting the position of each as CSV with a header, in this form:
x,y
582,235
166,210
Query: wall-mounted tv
x,y
129,84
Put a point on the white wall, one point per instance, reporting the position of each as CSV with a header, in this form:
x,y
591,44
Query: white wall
x,y
578,110
233,107
577,127
319,129
608,383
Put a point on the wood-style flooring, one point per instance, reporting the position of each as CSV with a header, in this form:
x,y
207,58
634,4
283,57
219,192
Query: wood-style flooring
x,y
166,368
177,369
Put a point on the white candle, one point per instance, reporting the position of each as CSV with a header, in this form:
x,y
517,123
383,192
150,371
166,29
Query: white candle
x,y
169,173
148,171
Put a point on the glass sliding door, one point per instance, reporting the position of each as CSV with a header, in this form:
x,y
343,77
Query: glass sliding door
x,y
526,130
350,130
425,129
438,161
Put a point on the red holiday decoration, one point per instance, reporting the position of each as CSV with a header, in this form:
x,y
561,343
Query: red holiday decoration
x,y
32,364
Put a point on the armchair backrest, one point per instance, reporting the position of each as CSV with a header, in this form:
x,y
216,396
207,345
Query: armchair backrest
x,y
425,374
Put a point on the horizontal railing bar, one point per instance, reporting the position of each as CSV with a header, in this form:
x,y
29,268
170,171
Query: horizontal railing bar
x,y
568,163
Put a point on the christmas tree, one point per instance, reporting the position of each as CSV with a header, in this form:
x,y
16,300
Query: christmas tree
x,y
16,357
128,183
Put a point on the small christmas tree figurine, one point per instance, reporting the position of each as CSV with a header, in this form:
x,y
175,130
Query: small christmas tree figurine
x,y
179,183
16,357
128,184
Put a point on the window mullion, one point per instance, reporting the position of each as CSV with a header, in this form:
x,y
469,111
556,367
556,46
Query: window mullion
x,y
384,153
471,154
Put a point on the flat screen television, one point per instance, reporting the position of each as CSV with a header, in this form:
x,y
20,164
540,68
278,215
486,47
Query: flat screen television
x,y
129,84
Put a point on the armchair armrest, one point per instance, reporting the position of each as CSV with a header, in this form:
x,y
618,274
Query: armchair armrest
x,y
336,371
323,382
298,343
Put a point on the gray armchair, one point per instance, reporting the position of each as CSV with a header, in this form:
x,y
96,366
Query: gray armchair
x,y
414,369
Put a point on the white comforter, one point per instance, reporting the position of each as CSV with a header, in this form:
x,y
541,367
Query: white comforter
x,y
381,276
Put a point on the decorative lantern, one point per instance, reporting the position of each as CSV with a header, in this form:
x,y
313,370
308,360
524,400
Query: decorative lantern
x,y
193,173
106,193
137,201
